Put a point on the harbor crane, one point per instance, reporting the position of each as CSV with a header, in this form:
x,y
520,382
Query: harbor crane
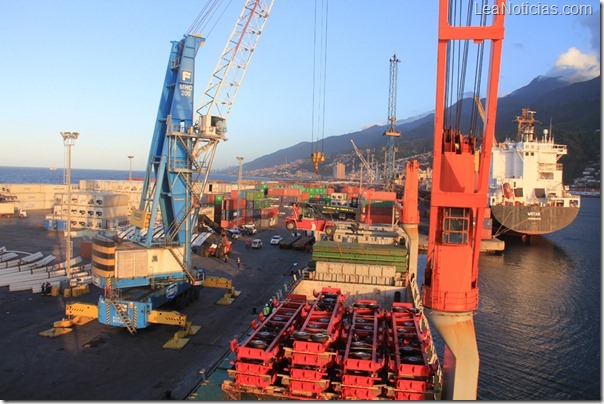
x,y
370,170
391,133
460,190
140,275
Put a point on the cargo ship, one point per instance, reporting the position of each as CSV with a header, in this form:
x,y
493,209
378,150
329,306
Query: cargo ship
x,y
527,195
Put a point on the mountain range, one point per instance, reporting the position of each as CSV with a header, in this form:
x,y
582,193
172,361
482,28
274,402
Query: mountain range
x,y
573,109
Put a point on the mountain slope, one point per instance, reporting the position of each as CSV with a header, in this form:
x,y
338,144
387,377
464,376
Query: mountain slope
x,y
573,108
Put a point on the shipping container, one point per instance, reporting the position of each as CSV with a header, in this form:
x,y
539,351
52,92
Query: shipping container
x,y
379,195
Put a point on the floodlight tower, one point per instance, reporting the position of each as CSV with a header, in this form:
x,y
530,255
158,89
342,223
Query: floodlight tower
x,y
130,173
239,189
391,132
69,139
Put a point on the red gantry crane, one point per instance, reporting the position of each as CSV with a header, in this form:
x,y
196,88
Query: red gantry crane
x,y
459,189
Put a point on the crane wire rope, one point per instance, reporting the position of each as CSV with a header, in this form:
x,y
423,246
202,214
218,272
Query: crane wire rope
x,y
206,16
457,67
478,80
324,66
320,69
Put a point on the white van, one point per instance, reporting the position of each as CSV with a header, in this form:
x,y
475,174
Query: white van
x,y
256,243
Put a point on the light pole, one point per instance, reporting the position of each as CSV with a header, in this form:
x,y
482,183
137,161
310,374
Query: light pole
x,y
69,139
130,175
239,190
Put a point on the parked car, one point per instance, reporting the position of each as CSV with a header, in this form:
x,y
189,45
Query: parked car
x,y
276,240
235,234
249,228
256,243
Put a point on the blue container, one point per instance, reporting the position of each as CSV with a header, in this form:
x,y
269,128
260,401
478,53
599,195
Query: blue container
x,y
48,224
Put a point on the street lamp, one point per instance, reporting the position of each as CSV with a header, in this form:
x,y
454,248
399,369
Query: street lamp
x,y
69,139
130,175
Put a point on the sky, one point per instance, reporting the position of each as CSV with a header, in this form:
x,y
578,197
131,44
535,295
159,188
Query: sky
x,y
97,68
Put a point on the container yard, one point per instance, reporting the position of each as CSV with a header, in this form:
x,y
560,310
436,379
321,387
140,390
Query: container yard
x,y
108,363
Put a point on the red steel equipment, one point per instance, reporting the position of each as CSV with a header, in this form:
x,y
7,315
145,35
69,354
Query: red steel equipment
x,y
459,193
307,217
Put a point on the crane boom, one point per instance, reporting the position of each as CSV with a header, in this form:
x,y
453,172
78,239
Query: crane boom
x,y
370,170
225,81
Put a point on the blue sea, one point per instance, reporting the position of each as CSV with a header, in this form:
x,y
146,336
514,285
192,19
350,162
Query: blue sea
x,y
38,175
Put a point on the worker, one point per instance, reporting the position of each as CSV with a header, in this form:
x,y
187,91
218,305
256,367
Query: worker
x,y
266,310
226,259
238,263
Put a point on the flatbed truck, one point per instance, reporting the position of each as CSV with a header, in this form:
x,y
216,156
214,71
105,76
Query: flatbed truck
x,y
287,243
302,242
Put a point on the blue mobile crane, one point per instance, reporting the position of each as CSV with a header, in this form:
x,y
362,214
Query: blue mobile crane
x,y
140,275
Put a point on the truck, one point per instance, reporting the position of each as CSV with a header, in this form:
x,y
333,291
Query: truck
x,y
287,243
303,243
9,210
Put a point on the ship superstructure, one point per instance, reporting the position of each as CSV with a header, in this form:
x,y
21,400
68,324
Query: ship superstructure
x,y
527,194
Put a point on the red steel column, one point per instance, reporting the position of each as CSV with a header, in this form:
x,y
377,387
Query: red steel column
x,y
458,201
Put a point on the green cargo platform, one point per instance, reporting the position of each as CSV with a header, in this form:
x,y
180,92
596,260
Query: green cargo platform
x,y
368,254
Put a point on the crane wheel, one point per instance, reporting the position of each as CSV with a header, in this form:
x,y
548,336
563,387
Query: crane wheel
x,y
290,225
319,337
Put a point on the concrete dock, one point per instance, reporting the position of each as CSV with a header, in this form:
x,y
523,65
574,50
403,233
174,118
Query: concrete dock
x,y
98,362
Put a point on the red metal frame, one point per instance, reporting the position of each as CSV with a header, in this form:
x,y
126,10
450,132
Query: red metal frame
x,y
363,358
311,359
409,370
372,365
259,356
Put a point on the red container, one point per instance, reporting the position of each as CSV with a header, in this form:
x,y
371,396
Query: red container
x,y
275,192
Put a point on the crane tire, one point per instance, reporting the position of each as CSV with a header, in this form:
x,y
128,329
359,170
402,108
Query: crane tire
x,y
290,225
319,337
330,231
301,335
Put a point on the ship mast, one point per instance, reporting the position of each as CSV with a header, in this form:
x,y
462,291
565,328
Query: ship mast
x,y
526,125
